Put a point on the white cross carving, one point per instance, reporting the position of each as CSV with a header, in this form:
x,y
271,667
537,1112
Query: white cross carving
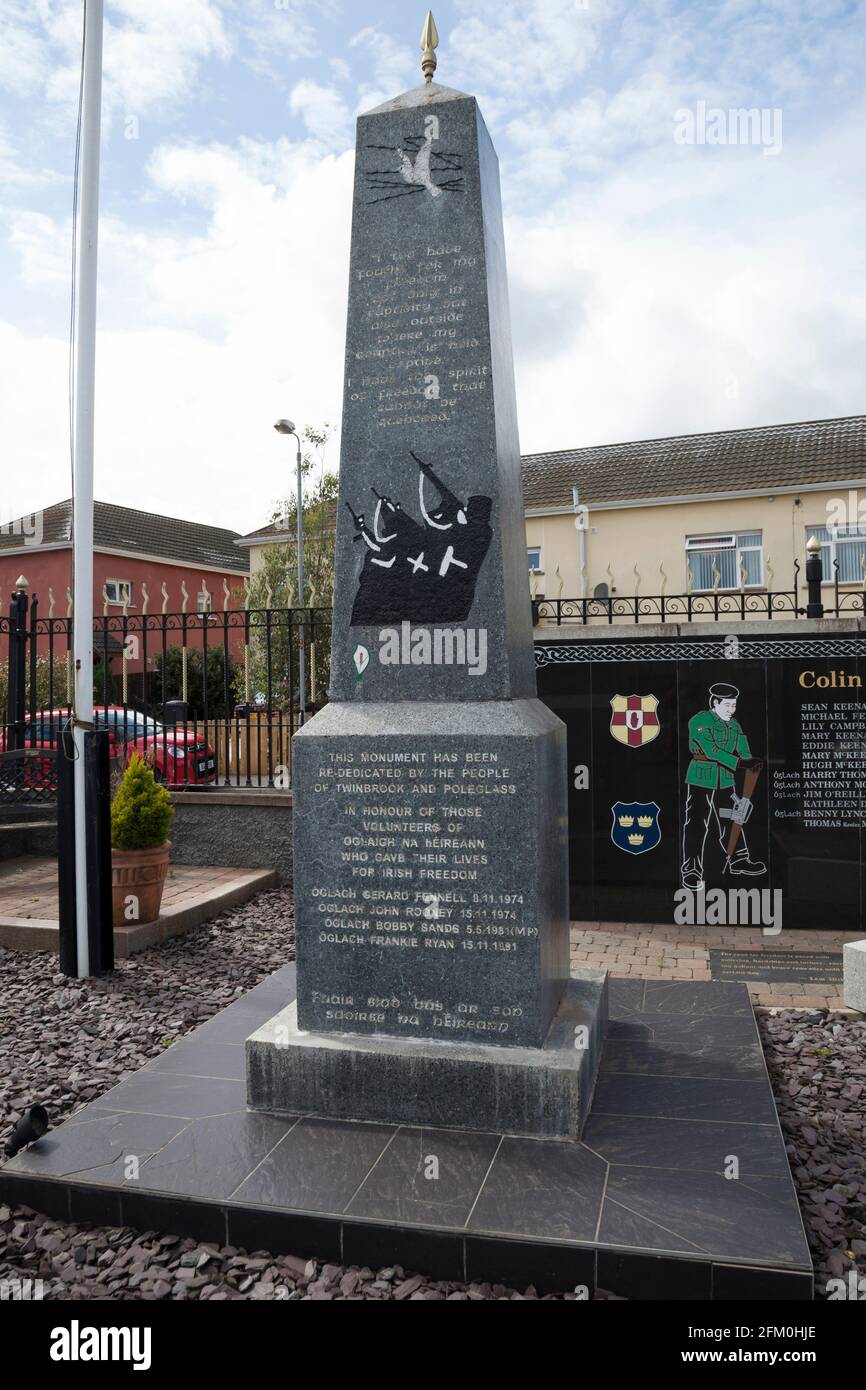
x,y
448,560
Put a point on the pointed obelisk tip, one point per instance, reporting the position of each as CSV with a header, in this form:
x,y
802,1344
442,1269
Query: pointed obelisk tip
x,y
429,44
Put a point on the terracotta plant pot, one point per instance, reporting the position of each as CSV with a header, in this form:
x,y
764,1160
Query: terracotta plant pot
x,y
139,873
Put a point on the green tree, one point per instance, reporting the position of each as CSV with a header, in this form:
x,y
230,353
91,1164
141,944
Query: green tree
x,y
274,586
171,668
51,691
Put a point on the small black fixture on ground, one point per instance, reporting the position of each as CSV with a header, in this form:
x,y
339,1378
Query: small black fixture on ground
x,y
32,1125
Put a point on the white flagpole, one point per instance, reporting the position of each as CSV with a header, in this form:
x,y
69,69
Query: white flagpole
x,y
85,370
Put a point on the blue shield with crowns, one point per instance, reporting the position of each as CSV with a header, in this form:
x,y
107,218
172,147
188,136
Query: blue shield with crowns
x,y
635,826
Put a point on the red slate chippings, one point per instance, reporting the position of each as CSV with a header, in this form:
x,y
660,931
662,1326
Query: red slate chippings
x,y
65,1042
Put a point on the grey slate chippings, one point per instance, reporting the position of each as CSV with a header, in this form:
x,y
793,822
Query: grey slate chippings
x,y
87,1036
817,1064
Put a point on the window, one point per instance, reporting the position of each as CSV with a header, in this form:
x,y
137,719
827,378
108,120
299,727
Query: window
x,y
732,561
119,590
533,556
845,544
203,602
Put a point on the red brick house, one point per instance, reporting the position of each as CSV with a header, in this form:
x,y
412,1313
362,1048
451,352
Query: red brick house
x,y
135,554
130,548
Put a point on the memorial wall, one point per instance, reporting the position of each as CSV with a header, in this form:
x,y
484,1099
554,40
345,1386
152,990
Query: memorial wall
x,y
705,767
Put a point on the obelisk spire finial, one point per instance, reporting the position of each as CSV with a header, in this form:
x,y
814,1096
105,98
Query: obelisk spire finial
x,y
429,44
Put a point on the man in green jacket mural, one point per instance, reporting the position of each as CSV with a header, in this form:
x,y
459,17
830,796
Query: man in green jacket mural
x,y
719,748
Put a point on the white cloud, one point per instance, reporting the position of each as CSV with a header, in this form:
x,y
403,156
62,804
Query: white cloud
x,y
152,52
23,53
274,35
323,112
394,67
692,290
655,288
515,52
205,339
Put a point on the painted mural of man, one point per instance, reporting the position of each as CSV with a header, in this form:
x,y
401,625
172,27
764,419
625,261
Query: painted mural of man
x,y
719,748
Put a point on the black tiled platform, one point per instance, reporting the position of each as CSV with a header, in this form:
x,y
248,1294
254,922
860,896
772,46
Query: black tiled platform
x,y
642,1206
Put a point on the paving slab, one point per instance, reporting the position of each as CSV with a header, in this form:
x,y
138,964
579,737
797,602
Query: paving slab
x,y
645,1205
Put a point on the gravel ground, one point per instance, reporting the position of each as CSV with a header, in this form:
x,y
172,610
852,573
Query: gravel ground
x,y
80,1039
84,1038
817,1064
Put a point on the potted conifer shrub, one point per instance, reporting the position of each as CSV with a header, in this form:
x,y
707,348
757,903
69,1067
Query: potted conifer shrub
x,y
141,814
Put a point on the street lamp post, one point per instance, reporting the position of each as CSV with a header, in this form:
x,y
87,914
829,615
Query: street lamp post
x,y
288,427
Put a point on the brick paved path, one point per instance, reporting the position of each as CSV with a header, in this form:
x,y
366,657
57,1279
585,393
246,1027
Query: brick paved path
x,y
641,951
28,886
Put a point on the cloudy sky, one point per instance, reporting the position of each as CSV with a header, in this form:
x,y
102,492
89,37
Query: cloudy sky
x,y
665,277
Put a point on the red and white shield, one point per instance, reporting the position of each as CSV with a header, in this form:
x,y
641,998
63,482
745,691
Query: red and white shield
x,y
634,720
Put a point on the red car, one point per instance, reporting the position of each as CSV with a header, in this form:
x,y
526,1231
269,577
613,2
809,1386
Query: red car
x,y
178,755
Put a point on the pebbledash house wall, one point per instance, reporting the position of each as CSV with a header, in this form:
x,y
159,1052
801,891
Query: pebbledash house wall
x,y
650,534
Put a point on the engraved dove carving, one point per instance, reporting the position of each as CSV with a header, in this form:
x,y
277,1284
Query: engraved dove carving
x,y
418,171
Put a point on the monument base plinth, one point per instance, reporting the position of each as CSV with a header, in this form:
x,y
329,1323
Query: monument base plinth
x,y
541,1092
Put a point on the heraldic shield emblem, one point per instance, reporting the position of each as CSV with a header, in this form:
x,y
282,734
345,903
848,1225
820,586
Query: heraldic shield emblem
x,y
635,826
634,720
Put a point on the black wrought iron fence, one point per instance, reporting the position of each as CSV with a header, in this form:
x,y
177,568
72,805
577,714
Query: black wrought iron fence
x,y
210,699
716,605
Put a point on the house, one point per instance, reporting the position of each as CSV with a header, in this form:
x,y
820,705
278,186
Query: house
x,y
142,563
727,511
319,524
722,511
135,553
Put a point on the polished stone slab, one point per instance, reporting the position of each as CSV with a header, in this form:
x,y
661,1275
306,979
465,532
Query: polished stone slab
x,y
643,1206
544,1091
433,904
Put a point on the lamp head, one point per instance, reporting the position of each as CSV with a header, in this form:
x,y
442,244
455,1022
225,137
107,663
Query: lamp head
x,y
285,427
32,1125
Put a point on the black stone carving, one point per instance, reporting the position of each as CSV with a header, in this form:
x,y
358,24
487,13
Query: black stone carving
x,y
421,571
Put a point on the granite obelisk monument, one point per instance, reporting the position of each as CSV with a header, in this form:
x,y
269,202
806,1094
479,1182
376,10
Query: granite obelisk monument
x,y
430,793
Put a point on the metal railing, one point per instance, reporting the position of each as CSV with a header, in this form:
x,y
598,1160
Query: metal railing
x,y
715,605
210,699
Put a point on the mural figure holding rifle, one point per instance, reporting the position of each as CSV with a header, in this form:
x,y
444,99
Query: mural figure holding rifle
x,y
719,750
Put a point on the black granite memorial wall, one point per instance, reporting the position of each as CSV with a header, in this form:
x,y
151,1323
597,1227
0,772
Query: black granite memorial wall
x,y
652,785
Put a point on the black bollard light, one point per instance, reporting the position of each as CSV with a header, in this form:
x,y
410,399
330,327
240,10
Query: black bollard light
x,y
32,1125
814,578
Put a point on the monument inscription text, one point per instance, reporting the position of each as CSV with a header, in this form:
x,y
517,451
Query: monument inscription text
x,y
420,926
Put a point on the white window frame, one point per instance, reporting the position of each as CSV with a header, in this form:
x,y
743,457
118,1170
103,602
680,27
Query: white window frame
x,y
716,541
534,569
118,600
836,538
